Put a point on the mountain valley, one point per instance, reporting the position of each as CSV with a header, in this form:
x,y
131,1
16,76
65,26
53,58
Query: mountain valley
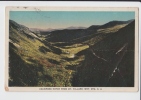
x,y
97,56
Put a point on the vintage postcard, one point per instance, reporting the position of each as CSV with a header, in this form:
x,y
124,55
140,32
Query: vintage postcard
x,y
72,49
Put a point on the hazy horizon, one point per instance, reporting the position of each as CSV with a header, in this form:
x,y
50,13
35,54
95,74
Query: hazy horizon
x,y
65,19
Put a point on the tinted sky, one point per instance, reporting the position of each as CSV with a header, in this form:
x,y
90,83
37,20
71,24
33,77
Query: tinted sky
x,y
63,19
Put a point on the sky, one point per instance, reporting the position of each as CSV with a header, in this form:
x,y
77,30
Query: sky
x,y
64,19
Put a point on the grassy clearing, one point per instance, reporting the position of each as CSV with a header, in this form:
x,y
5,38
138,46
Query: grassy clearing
x,y
69,52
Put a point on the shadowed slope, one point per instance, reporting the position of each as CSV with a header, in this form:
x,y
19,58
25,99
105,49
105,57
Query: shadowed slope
x,y
110,62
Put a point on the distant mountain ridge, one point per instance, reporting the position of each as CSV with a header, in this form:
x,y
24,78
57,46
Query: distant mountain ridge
x,y
50,29
76,27
69,35
109,24
42,30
